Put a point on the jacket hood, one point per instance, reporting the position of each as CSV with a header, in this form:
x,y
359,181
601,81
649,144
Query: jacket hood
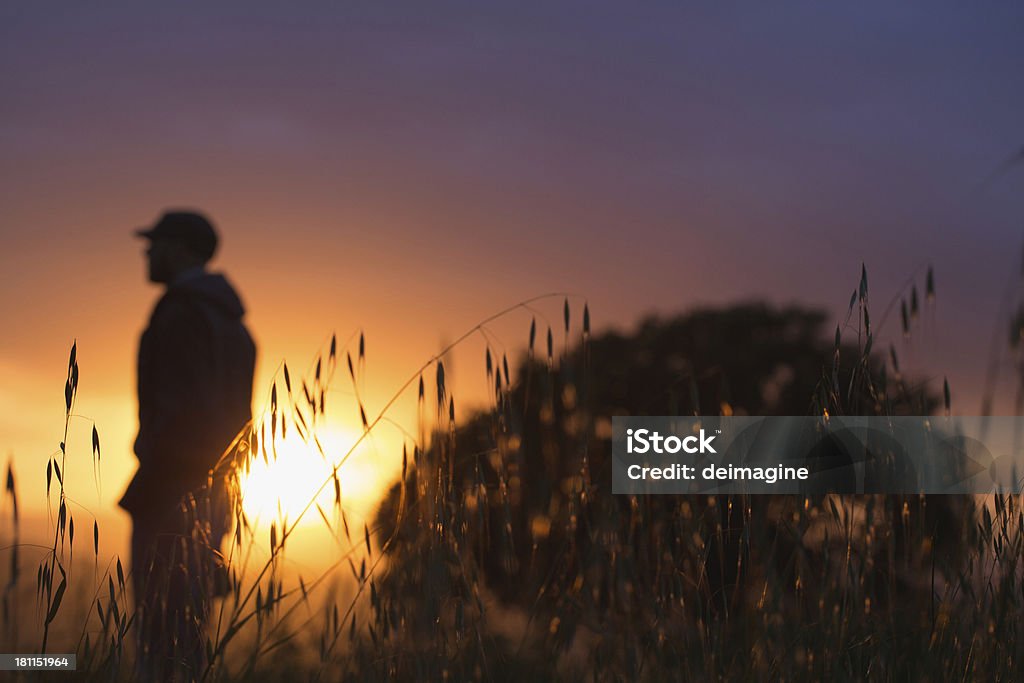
x,y
213,288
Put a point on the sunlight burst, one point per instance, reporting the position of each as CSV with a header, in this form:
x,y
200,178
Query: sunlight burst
x,y
289,482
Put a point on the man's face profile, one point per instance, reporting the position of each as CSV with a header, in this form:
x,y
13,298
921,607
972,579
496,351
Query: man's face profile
x,y
166,258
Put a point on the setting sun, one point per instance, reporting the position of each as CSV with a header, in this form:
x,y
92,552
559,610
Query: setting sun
x,y
286,484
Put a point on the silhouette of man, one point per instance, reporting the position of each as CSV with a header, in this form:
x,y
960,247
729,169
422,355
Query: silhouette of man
x,y
195,376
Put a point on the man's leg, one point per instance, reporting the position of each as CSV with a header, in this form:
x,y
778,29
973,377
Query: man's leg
x,y
169,597
146,580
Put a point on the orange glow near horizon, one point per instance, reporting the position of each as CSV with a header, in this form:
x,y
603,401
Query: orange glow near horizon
x,y
284,485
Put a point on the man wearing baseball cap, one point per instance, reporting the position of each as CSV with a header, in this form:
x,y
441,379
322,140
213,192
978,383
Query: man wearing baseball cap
x,y
195,375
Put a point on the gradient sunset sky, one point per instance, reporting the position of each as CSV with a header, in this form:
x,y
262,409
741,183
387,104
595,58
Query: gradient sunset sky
x,y
411,168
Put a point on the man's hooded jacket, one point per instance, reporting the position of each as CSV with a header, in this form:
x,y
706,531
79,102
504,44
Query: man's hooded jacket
x,y
195,375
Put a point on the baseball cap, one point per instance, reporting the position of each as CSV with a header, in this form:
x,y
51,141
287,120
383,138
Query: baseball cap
x,y
189,228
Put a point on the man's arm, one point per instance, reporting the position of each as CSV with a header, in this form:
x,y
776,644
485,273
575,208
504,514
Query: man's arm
x,y
179,396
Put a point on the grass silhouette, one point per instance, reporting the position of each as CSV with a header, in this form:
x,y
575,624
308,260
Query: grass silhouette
x,y
500,554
